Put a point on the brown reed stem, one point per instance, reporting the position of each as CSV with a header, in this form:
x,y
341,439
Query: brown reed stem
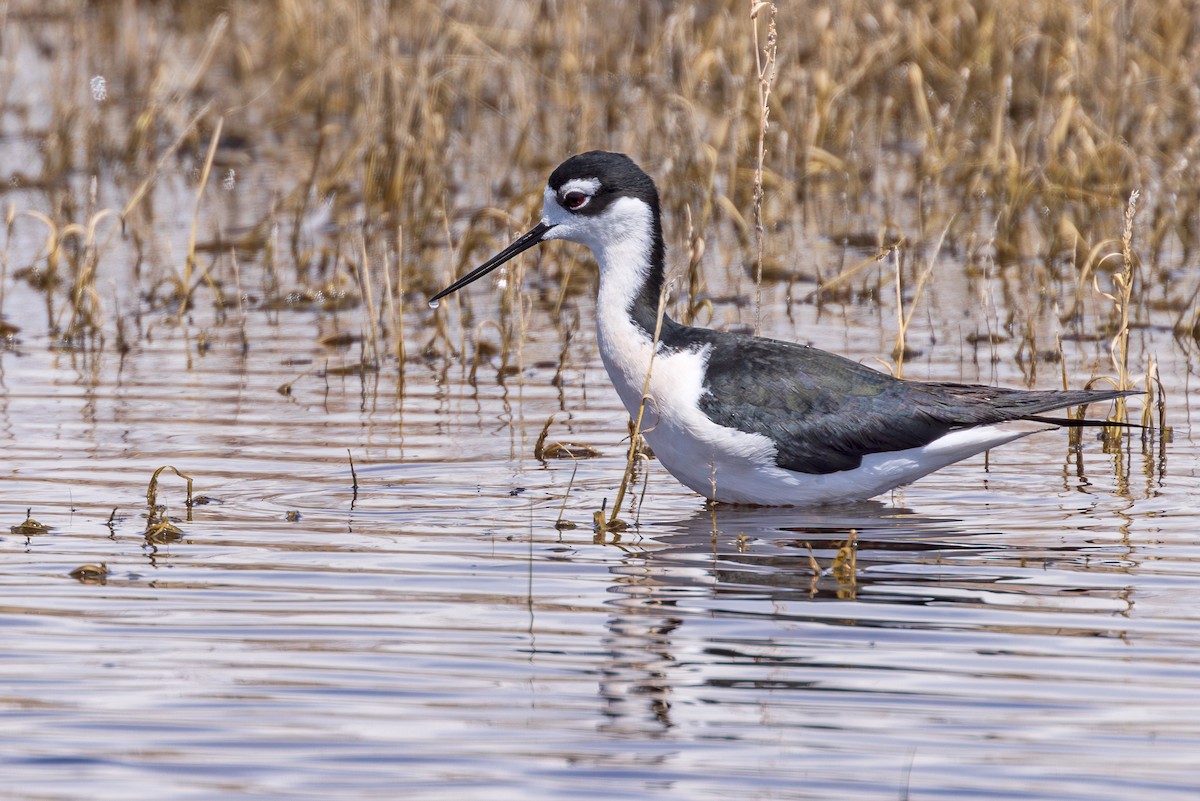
x,y
631,460
369,300
764,60
189,264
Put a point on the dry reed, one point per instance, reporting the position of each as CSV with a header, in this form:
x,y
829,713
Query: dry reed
x,y
1013,132
764,67
614,523
1036,116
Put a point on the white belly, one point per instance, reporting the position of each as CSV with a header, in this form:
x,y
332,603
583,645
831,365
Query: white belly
x,y
734,466
713,460
766,484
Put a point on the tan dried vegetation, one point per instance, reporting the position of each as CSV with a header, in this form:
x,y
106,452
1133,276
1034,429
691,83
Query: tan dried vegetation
x,y
372,150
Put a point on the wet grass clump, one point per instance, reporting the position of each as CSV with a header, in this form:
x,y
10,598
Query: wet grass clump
x,y
29,527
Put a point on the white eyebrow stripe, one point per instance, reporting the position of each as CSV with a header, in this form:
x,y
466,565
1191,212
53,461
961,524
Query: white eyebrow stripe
x,y
588,186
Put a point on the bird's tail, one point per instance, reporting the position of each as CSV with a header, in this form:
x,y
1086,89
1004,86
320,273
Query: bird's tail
x,y
1068,422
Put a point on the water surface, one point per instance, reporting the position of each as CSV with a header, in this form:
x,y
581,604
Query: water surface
x,y
1020,630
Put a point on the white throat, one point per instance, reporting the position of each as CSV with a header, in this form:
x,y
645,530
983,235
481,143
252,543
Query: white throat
x,y
623,252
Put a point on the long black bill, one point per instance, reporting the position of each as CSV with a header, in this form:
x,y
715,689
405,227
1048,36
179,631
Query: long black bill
x,y
533,237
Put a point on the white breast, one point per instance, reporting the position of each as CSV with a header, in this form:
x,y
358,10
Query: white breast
x,y
710,459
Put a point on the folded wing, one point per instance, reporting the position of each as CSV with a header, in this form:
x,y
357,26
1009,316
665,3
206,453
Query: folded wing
x,y
825,413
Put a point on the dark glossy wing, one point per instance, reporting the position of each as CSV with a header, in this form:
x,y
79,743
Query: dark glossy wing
x,y
825,412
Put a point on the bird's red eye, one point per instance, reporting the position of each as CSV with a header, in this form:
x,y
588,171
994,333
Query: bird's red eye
x,y
574,200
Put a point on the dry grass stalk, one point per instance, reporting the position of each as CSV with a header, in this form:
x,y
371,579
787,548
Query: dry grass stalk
x,y
365,282
395,300
845,567
152,487
905,320
85,299
10,217
159,528
190,263
1121,299
764,62
562,524
140,193
696,302
559,450
635,436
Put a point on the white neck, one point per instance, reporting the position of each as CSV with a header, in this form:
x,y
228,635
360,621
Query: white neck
x,y
623,254
623,257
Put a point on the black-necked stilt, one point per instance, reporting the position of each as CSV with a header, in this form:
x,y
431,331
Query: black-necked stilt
x,y
746,419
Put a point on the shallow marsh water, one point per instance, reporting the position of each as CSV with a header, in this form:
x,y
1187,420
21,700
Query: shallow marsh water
x,y
1022,630
417,626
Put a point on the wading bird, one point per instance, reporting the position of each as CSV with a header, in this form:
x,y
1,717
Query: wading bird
x,y
750,420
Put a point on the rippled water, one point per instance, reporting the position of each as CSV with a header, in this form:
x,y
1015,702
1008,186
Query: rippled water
x,y
1025,629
